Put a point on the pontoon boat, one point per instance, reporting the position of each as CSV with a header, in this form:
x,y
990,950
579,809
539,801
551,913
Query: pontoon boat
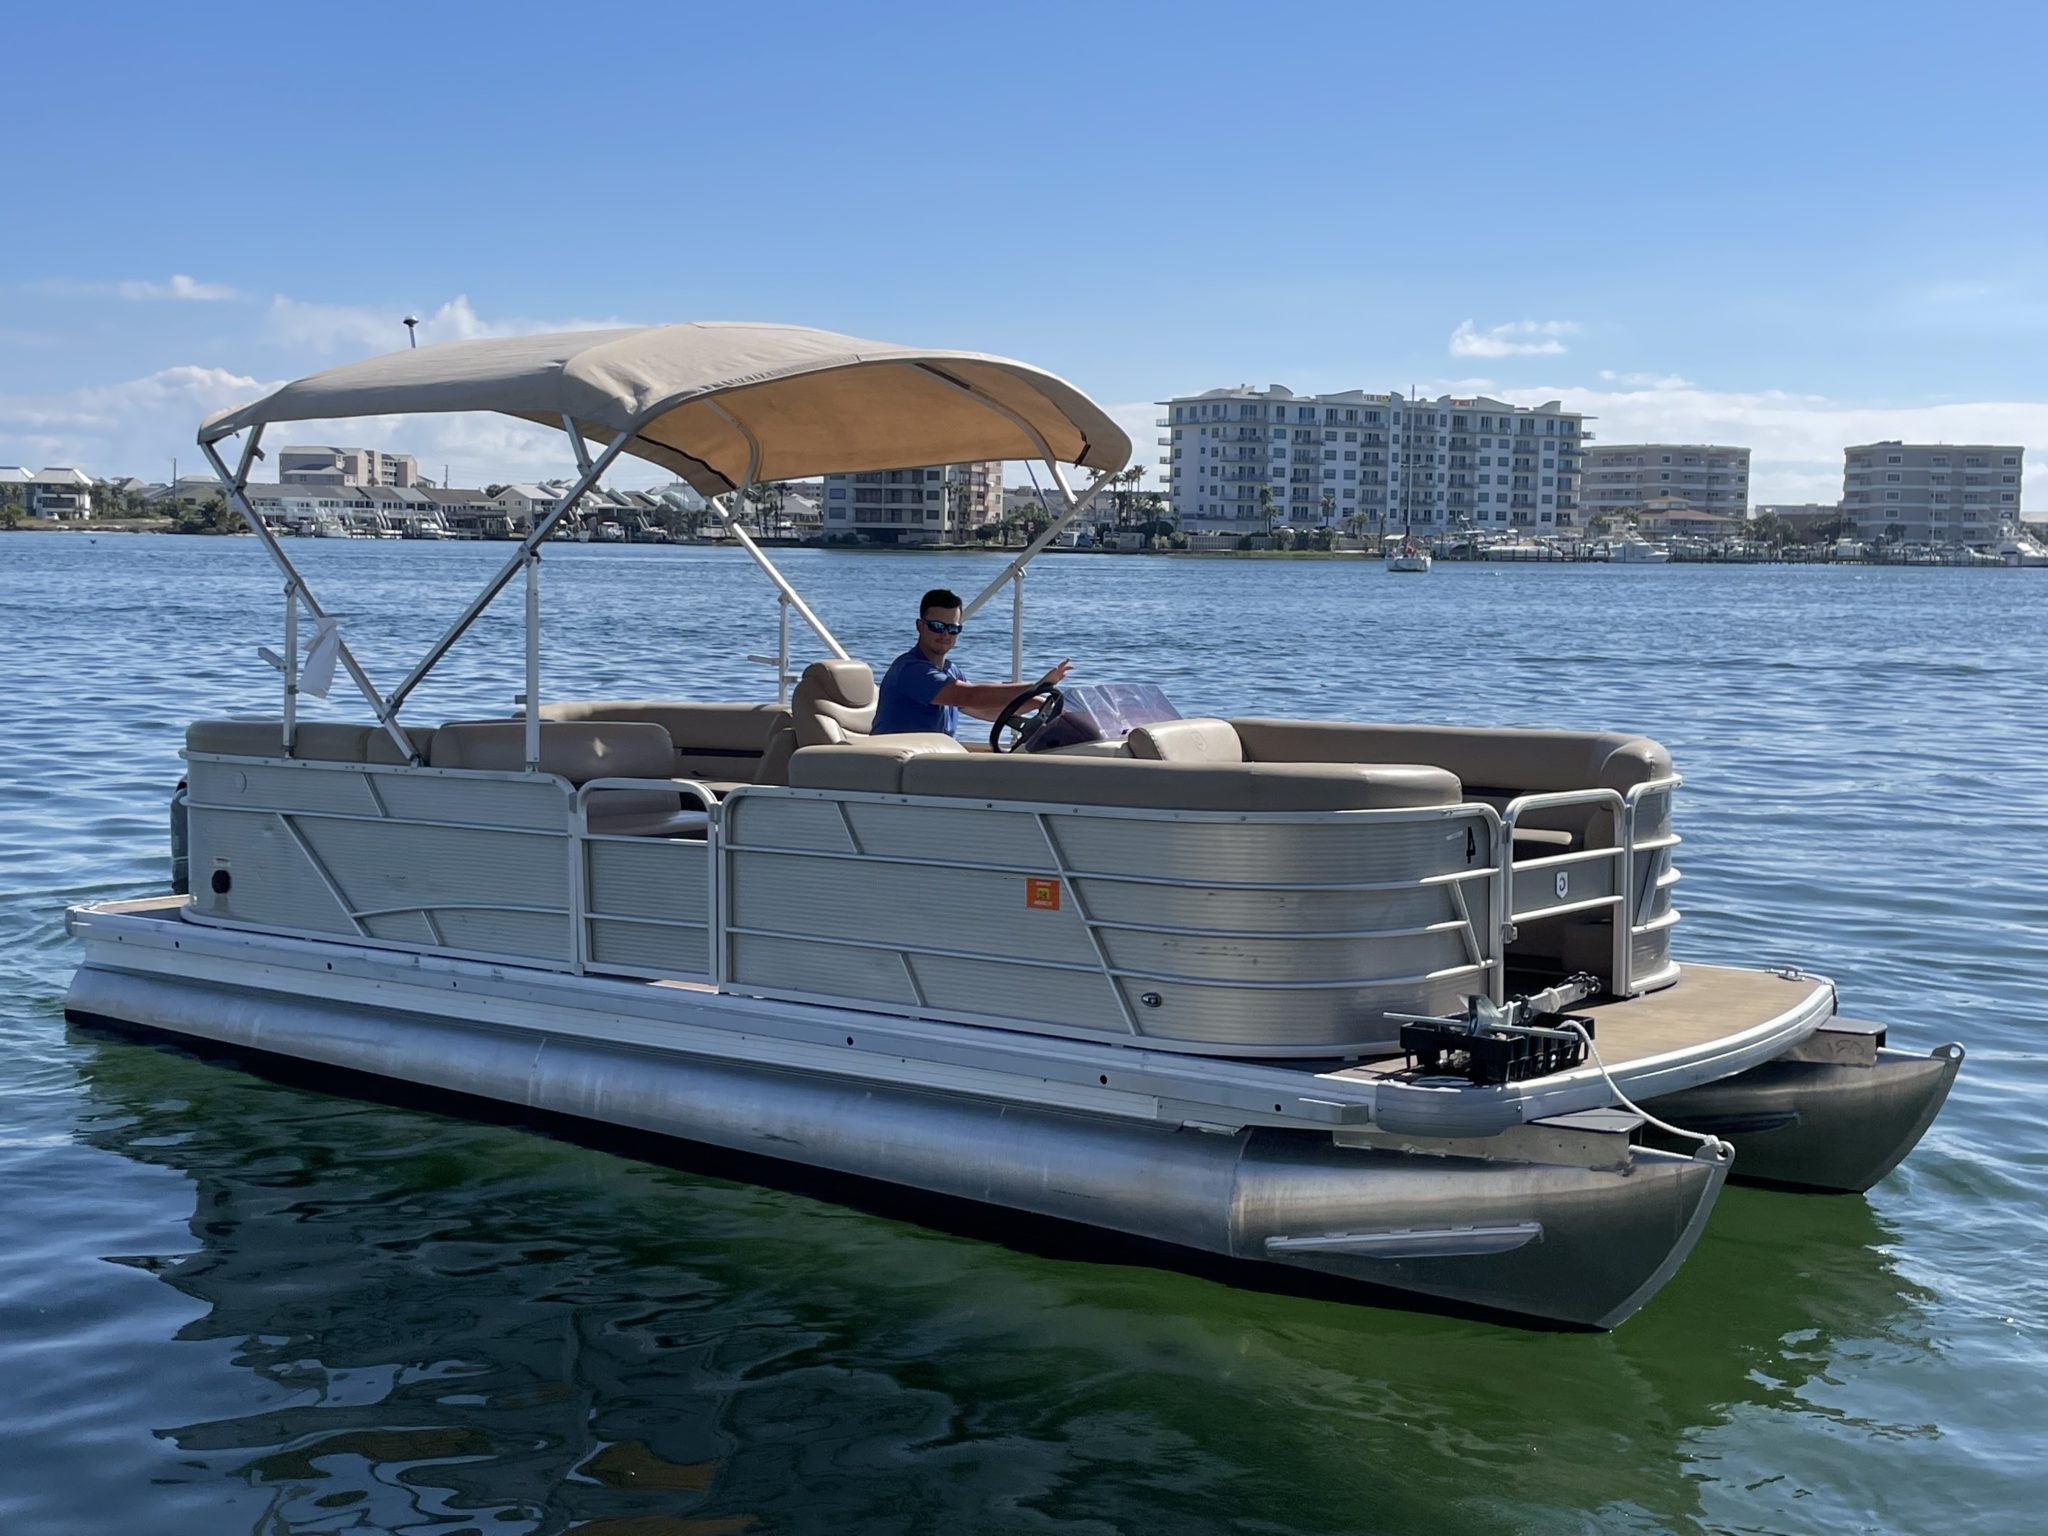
x,y
1394,1004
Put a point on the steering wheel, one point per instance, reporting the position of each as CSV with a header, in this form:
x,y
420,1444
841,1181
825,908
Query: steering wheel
x,y
1026,723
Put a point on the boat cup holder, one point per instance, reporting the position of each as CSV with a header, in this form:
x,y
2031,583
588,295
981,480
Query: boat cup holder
x,y
222,882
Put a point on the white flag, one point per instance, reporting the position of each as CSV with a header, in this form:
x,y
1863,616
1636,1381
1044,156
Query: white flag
x,y
322,647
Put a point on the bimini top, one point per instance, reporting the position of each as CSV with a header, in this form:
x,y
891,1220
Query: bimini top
x,y
692,395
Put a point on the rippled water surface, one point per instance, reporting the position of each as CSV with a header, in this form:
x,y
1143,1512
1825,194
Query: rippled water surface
x,y
231,1304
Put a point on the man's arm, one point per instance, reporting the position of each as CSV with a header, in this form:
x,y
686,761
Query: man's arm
x,y
985,701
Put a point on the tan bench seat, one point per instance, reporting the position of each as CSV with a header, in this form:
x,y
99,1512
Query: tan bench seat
x,y
715,743
580,751
939,766
314,741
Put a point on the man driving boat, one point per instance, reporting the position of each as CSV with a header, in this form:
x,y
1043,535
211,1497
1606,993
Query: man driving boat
x,y
923,689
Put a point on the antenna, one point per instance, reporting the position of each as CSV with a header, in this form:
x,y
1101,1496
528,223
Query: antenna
x,y
412,328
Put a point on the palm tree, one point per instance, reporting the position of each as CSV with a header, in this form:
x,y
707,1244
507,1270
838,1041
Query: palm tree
x,y
1329,506
1266,511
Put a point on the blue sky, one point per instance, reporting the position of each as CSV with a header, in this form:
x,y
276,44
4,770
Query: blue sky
x,y
1790,226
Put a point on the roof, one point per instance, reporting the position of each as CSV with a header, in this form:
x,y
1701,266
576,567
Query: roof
x,y
712,400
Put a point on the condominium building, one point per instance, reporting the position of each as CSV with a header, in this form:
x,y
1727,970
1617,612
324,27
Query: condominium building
x,y
1930,493
1247,459
1706,476
346,466
935,504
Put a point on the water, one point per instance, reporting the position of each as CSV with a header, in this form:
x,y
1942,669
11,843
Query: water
x,y
232,1304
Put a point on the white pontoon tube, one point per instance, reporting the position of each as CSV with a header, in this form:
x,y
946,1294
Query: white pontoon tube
x,y
723,405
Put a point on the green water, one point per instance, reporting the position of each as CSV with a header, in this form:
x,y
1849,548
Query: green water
x,y
234,1304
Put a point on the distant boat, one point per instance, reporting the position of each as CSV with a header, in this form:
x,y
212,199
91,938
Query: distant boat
x,y
2016,546
1518,549
1849,549
1631,549
1410,557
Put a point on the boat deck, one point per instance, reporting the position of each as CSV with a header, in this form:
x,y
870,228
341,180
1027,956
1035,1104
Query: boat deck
x,y
1706,1003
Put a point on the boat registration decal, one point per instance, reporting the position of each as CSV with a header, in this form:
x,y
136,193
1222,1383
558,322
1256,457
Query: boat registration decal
x,y
1042,894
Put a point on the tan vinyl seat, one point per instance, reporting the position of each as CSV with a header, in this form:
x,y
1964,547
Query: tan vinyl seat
x,y
1199,740
834,702
715,743
579,751
313,741
1053,779
872,765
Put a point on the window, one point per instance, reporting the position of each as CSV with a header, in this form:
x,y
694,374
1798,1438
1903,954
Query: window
x,y
1891,495
2010,461
1892,479
1893,458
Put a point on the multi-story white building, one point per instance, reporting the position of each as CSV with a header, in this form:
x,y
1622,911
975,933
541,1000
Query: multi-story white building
x,y
934,504
1930,493
346,466
1244,459
1706,476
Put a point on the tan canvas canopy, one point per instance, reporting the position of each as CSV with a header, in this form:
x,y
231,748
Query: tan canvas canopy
x,y
722,403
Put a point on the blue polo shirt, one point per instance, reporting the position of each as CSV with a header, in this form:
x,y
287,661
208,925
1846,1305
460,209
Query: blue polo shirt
x,y
908,689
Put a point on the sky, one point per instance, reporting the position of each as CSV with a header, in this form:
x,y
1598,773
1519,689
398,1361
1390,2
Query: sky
x,y
1790,227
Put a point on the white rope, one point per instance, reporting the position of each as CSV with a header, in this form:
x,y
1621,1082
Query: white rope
x,y
1713,1144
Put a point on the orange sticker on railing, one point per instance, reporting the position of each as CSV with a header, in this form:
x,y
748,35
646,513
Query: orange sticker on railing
x,y
1042,894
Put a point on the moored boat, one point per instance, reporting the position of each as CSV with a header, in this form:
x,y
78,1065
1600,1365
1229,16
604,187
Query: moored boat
x,y
1394,1004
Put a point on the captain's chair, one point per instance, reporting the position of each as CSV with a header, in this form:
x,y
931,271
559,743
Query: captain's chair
x,y
834,703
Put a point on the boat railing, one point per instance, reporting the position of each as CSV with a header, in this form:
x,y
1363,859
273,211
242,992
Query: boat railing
x,y
1593,879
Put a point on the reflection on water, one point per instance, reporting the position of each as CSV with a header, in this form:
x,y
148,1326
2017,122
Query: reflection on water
x,y
464,1324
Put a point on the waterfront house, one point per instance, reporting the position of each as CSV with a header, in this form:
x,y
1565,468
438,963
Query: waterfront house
x,y
56,492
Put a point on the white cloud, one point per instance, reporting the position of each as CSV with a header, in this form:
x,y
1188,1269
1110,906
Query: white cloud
x,y
1517,338
329,328
179,287
1645,380
128,428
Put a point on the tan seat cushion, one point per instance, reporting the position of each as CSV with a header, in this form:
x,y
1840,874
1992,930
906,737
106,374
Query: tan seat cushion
x,y
1053,779
873,764
238,737
715,727
577,750
317,741
1187,741
1518,761
834,701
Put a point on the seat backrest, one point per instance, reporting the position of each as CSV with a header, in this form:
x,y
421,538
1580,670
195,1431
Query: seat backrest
x,y
1196,740
1517,761
313,741
577,750
834,702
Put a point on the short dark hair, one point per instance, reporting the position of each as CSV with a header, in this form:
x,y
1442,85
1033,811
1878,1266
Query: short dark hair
x,y
939,597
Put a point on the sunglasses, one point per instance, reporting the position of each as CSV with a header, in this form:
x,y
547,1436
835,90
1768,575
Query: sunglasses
x,y
940,626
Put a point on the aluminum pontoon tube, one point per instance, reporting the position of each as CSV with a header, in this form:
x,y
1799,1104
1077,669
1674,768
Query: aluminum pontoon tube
x,y
1572,1245
1830,1126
